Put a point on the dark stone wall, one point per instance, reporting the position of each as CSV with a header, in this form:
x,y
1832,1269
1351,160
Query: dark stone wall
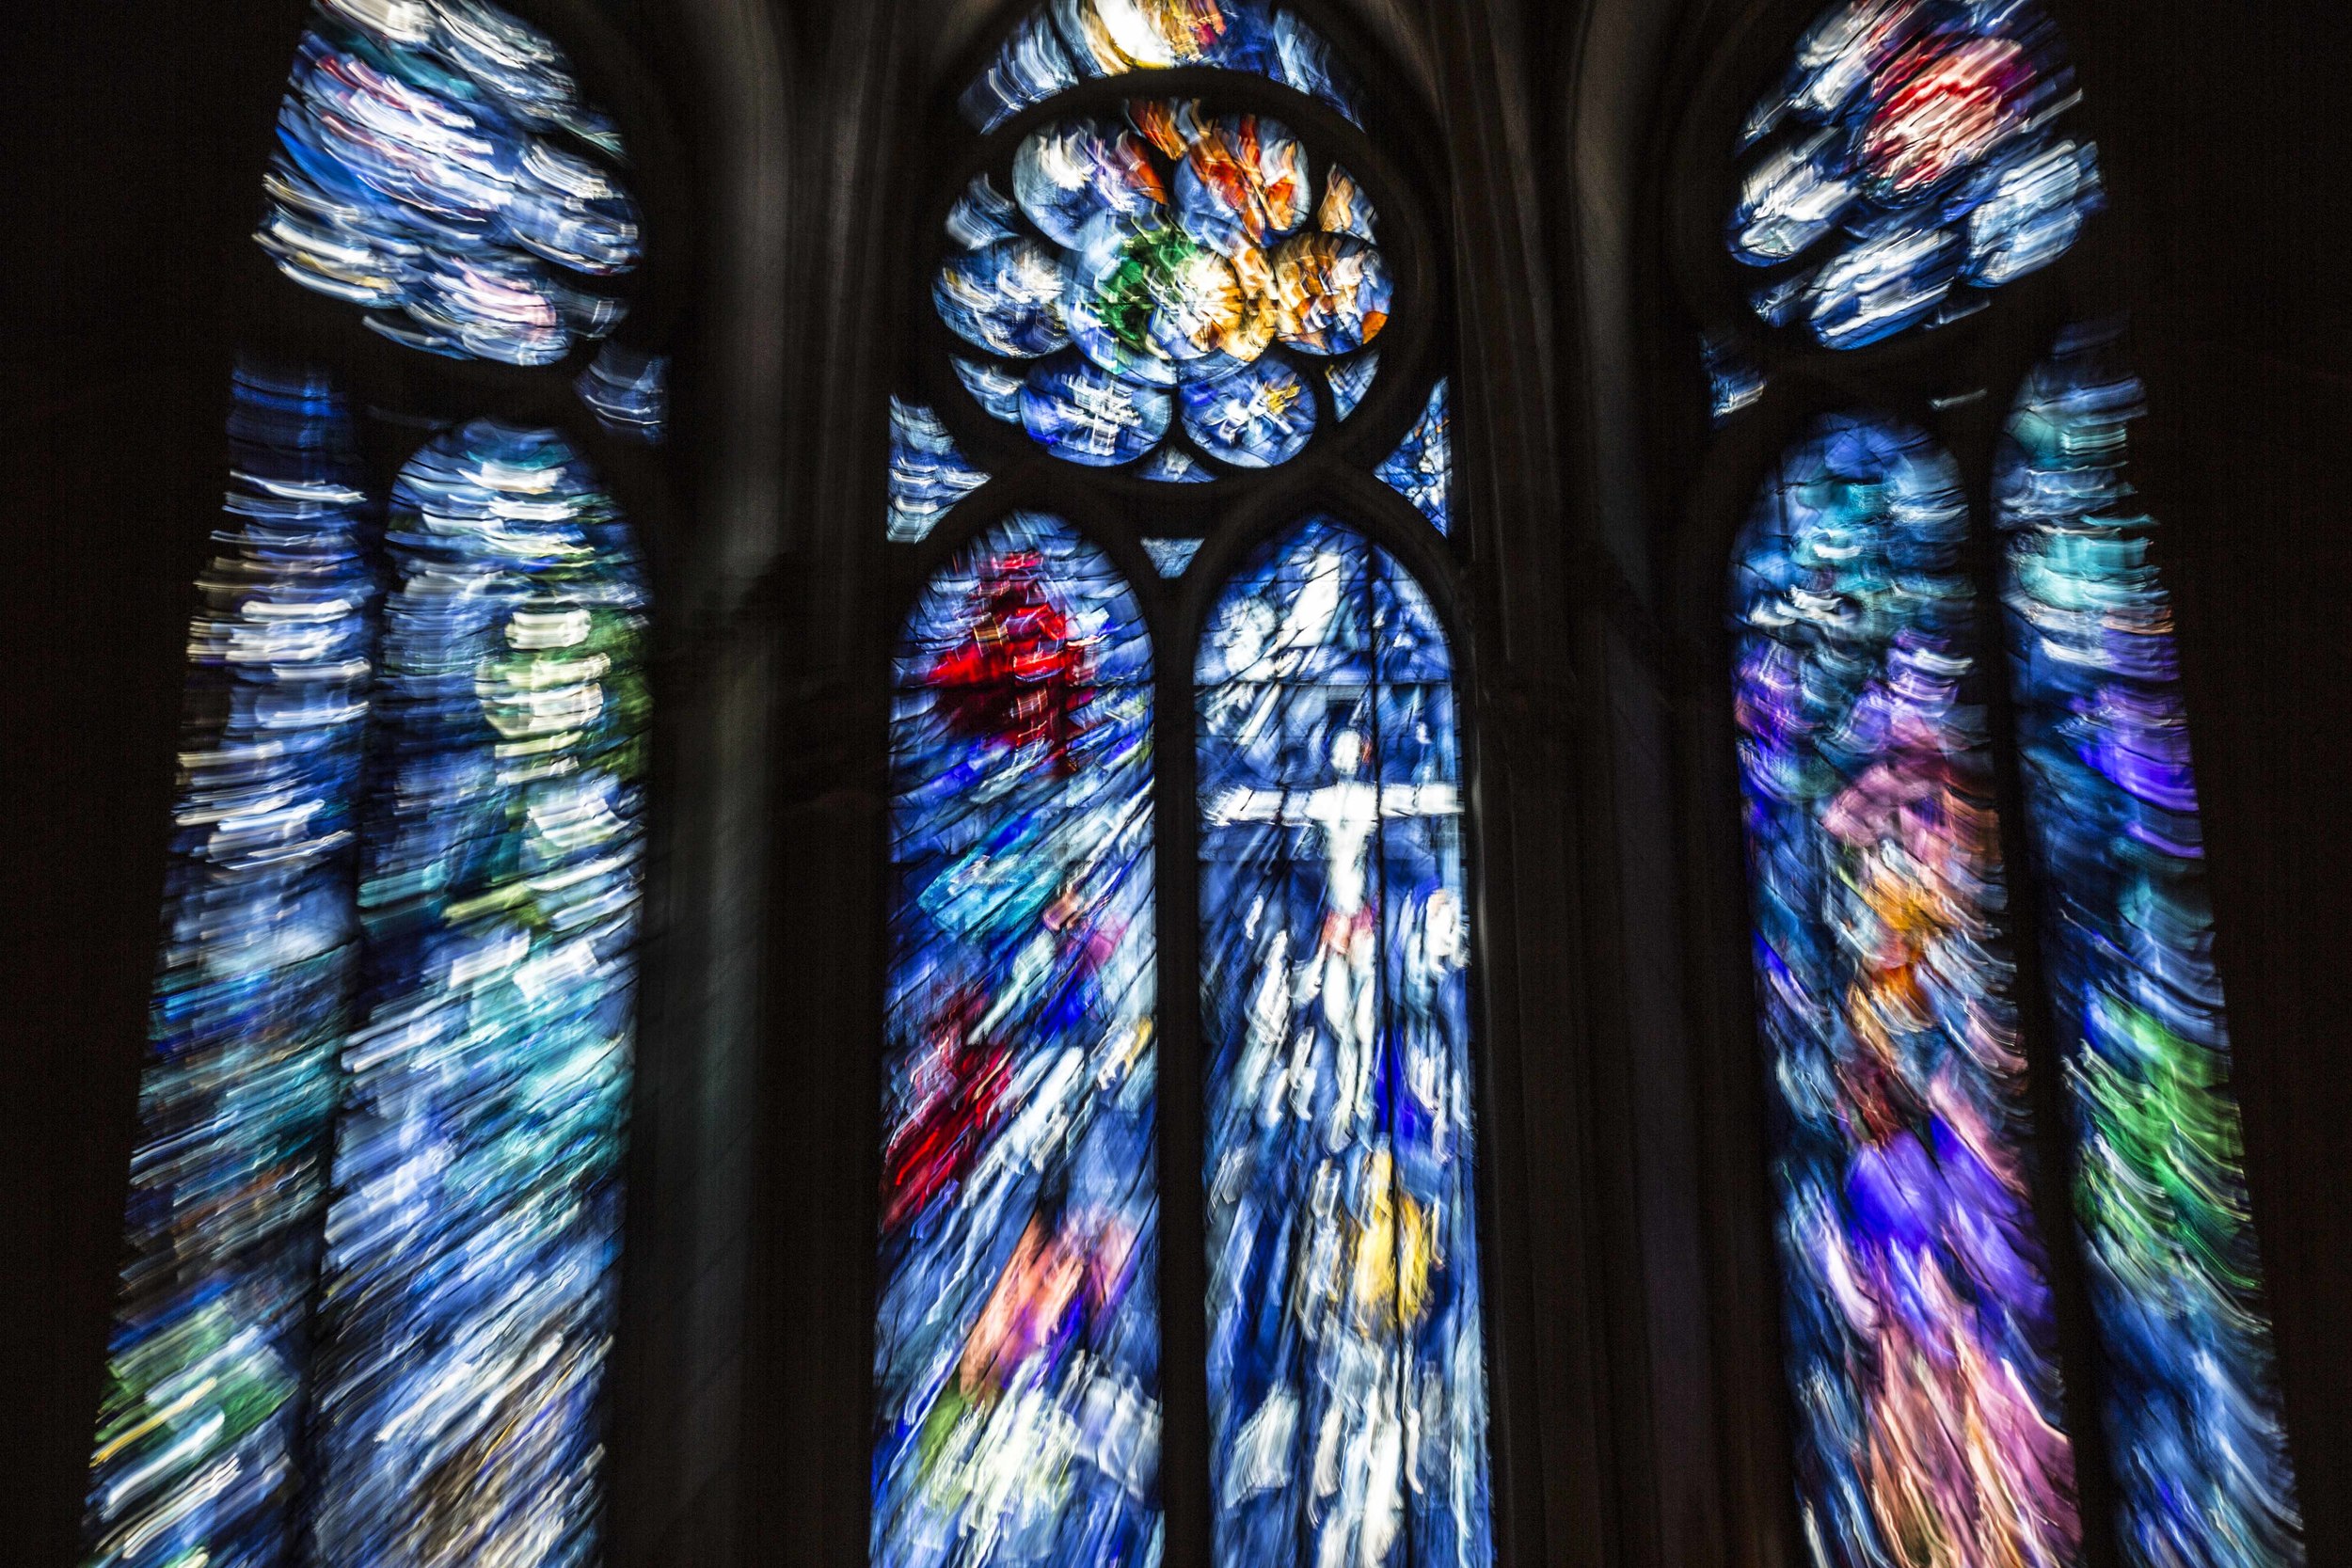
x,y
133,135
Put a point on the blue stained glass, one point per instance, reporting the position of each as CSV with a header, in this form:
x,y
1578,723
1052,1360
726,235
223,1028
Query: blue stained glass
x,y
981,216
1910,150
1921,1342
928,472
467,1296
1346,1368
1350,380
436,166
1063,41
1734,380
1067,174
1076,410
196,1453
1303,59
1031,68
1259,416
1017,1347
1005,297
1172,465
1172,249
1422,468
627,389
993,387
2194,1428
1171,556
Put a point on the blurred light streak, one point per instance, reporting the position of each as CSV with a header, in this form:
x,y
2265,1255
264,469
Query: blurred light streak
x,y
1734,380
1063,42
1921,1340
1909,151
1346,1367
2194,1428
468,1298
1170,557
436,166
1422,468
627,389
928,472
196,1450
1017,1354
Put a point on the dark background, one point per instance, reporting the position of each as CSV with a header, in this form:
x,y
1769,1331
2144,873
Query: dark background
x,y
2230,166
137,134
135,137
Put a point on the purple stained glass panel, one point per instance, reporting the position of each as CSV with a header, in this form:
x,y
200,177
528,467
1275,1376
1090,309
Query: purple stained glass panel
x,y
2195,1430
1921,1340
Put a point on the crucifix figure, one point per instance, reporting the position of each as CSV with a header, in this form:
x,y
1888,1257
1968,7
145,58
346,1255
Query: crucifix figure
x,y
1345,814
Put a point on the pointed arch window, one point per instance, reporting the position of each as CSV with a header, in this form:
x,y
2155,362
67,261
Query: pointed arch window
x,y
1179,1235
373,1222
1984,972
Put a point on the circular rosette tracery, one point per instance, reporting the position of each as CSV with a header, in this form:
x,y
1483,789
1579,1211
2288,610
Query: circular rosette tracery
x,y
1910,154
1165,259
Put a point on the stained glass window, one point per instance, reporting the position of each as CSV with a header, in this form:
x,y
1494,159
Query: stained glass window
x,y
1065,43
1422,468
1017,1354
1169,284
928,472
468,1291
199,1438
436,165
2192,1407
1921,1339
1140,305
373,1210
1346,1367
1912,159
1914,151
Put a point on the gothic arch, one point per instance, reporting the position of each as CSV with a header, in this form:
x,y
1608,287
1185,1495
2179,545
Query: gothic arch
x,y
1963,383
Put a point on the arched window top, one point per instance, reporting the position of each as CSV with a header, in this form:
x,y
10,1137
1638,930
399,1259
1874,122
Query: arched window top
x,y
1017,1363
375,1199
1064,43
1859,492
1913,749
1193,315
1320,602
1913,153
437,168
